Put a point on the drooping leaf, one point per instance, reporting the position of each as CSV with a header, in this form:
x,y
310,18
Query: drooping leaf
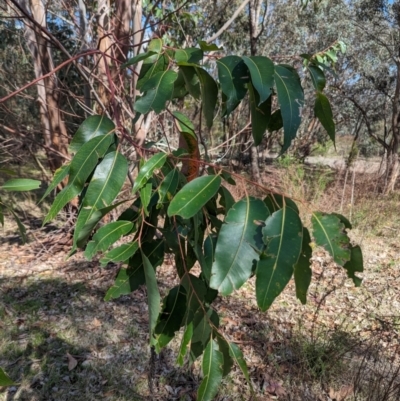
x,y
145,196
138,58
156,45
93,126
120,254
128,280
282,234
237,242
108,179
344,220
171,316
195,295
209,95
189,55
212,372
226,200
329,232
275,122
233,75
180,90
59,175
208,47
191,80
262,75
21,227
237,356
157,91
323,112
20,184
5,380
317,77
302,269
150,67
168,186
275,202
153,295
187,336
81,167
106,236
260,115
291,101
209,255
147,170
224,349
193,196
355,264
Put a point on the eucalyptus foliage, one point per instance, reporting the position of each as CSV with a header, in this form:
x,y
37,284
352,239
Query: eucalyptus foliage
x,y
180,205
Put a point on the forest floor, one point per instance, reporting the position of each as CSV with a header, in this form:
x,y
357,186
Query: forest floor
x,y
59,340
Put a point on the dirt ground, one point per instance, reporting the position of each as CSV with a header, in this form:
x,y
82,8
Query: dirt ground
x,y
59,340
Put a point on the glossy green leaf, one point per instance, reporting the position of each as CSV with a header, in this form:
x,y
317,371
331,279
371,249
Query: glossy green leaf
x,y
106,236
291,101
150,67
195,295
5,380
59,175
157,91
145,196
260,115
128,280
209,255
194,195
191,80
120,254
209,95
302,269
168,186
93,126
189,55
317,77
233,75
355,264
237,242
147,170
20,184
81,167
226,200
156,45
187,336
237,356
138,58
171,316
275,202
323,112
262,75
180,90
344,220
105,185
329,232
208,47
283,235
212,372
224,349
153,295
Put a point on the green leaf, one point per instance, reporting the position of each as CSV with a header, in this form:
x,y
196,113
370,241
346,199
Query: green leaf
x,y
93,126
344,220
226,200
168,186
153,295
150,67
156,45
233,75
237,242
21,227
145,196
191,80
260,115
128,280
180,90
275,123
81,167
189,55
108,179
138,58
224,349
237,356
291,101
212,372
194,195
283,235
120,254
323,112
195,295
172,314
20,184
209,95
157,91
59,175
208,47
187,336
106,236
262,75
147,170
1,214
5,380
317,77
275,202
329,232
302,269
209,255
355,264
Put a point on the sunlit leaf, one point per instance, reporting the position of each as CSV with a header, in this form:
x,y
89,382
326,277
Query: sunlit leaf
x,y
20,184
59,176
5,380
147,170
120,254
